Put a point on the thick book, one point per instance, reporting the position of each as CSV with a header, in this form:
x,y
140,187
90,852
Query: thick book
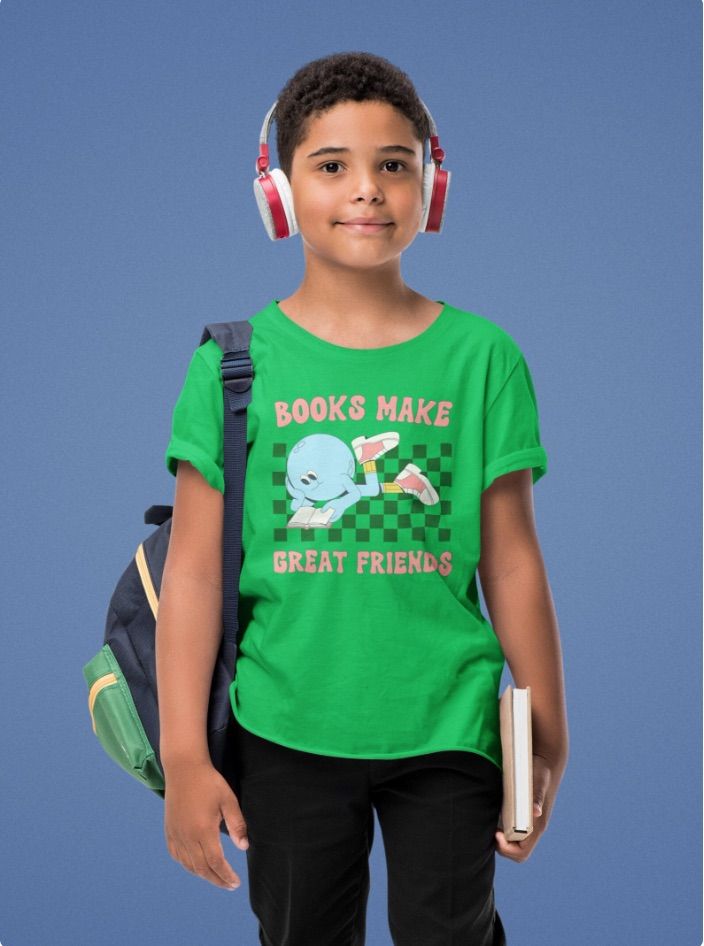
x,y
517,750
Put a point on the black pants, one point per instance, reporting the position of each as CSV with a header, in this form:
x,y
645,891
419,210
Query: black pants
x,y
310,822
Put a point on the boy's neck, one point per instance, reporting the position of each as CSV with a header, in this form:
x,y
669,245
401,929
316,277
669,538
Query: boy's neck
x,y
342,301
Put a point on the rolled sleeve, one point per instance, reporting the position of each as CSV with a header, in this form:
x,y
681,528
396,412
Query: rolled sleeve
x,y
197,423
512,428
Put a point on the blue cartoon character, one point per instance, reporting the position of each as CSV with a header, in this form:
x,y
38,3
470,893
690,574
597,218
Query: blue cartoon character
x,y
322,467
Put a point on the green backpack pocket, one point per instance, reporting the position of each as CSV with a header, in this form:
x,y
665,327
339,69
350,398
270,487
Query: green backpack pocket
x,y
116,722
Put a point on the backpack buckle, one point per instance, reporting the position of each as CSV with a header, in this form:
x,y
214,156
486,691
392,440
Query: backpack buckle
x,y
236,369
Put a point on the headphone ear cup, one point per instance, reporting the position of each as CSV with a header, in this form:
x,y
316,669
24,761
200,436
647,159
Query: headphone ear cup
x,y
428,176
436,183
260,193
284,189
275,203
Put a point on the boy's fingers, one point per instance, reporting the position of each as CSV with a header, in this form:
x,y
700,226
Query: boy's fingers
x,y
223,874
202,868
501,838
235,824
507,848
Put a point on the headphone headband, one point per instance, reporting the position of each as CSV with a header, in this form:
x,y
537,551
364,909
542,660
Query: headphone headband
x,y
436,152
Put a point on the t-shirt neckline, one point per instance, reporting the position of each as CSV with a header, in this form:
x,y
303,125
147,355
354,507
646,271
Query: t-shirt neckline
x,y
330,348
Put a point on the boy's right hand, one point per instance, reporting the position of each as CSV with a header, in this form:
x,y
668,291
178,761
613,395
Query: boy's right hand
x,y
197,799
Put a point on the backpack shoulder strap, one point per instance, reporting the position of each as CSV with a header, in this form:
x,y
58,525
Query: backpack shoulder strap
x,y
230,336
237,375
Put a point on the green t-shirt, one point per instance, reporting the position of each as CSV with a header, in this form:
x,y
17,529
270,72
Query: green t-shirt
x,y
362,635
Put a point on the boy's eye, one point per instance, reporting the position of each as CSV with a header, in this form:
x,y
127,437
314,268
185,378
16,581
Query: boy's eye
x,y
337,164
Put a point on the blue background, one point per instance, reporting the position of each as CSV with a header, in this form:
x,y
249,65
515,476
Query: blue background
x,y
129,136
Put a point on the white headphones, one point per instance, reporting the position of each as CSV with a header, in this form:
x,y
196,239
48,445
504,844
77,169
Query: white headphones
x,y
275,200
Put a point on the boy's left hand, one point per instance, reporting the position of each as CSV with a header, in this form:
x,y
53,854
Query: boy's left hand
x,y
546,779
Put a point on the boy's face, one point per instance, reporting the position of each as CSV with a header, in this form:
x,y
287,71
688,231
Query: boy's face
x,y
362,181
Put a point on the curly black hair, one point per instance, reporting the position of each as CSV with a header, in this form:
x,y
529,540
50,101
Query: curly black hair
x,y
339,77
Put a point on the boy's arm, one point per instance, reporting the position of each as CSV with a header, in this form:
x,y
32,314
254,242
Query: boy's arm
x,y
189,621
517,594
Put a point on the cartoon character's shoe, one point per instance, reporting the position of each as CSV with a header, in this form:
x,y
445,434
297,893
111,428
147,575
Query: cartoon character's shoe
x,y
411,480
371,448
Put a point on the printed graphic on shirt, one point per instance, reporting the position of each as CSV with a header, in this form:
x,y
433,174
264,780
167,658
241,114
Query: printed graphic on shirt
x,y
363,487
368,492
322,467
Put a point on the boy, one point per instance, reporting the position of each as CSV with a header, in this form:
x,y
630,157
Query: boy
x,y
367,677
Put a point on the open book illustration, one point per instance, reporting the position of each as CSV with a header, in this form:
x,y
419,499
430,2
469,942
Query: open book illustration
x,y
308,517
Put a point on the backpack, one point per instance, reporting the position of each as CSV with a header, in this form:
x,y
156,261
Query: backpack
x,y
121,677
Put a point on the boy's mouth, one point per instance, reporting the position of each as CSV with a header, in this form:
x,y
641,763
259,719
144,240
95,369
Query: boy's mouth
x,y
365,226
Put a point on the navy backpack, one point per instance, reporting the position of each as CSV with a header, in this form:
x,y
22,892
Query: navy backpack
x,y
121,678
